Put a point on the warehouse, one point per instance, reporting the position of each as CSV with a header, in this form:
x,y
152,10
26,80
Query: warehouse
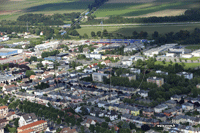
x,y
4,53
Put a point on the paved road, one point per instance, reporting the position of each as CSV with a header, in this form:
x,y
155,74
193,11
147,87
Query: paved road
x,y
146,24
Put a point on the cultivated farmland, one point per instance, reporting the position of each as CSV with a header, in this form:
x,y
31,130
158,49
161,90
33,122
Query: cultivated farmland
x,y
145,8
13,8
128,30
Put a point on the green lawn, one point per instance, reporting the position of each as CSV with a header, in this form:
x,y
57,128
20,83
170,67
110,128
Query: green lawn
x,y
128,30
193,58
187,65
42,6
136,9
13,40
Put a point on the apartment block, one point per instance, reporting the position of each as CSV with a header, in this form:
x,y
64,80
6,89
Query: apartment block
x,y
3,111
37,126
158,81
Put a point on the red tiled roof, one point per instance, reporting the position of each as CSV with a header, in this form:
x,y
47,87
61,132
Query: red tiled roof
x,y
3,107
32,124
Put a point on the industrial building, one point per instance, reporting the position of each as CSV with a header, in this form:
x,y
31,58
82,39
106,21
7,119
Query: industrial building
x,y
196,53
53,44
126,41
4,53
159,50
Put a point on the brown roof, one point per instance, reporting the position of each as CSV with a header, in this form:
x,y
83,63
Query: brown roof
x,y
3,120
68,130
3,107
10,86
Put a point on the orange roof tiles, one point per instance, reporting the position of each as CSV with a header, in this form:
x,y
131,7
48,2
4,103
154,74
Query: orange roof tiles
x,y
32,76
32,124
3,107
27,131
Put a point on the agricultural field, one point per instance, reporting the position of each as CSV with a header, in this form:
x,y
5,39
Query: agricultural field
x,y
128,30
145,8
11,9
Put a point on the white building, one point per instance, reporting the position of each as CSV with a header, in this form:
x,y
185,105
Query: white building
x,y
186,55
47,45
160,108
27,119
88,70
196,53
127,62
93,56
186,75
135,70
156,51
170,54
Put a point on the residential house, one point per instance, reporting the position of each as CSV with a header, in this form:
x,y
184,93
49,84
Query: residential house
x,y
112,115
27,119
98,77
160,108
186,75
3,111
135,70
134,111
161,116
148,112
106,62
88,70
68,130
11,116
143,93
37,126
187,106
113,100
33,77
9,87
171,103
127,62
3,123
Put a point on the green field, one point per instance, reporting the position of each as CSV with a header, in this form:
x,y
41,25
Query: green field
x,y
15,8
136,9
193,58
128,30
187,65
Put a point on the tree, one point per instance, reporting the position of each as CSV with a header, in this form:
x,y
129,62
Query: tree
x,y
105,33
82,129
104,125
145,127
92,128
93,34
58,121
155,35
85,36
99,33
16,122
